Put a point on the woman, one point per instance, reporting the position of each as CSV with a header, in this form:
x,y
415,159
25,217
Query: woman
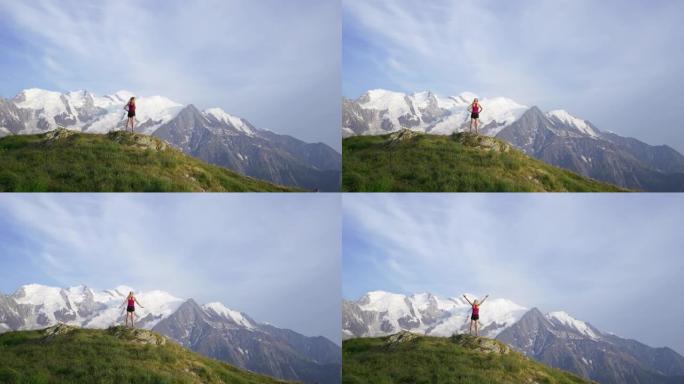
x,y
475,316
130,311
130,107
475,108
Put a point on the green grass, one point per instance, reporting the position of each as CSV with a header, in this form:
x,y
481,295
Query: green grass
x,y
115,162
108,356
457,163
432,360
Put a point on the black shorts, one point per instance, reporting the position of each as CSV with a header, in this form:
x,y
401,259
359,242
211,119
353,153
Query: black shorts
x,y
131,114
475,115
475,317
131,308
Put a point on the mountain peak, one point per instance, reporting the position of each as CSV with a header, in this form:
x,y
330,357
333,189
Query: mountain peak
x,y
34,92
37,98
467,96
563,318
236,122
380,92
122,95
534,110
382,295
191,110
383,99
223,311
29,291
564,117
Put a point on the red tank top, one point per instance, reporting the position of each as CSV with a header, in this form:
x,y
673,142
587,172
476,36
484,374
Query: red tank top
x,y
476,310
131,302
476,108
131,107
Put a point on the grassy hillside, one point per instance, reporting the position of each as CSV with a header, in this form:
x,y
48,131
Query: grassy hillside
x,y
64,354
63,160
410,358
407,161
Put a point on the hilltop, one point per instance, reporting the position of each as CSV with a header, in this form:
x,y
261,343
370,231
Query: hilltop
x,y
64,160
411,358
64,354
408,161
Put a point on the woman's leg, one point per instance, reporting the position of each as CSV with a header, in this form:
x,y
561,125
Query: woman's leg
x,y
477,324
477,122
132,319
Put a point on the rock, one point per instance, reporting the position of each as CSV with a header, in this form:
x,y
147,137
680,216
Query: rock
x,y
404,134
481,344
57,134
486,143
57,330
138,140
401,337
137,336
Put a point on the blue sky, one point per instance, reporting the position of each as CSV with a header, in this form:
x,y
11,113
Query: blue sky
x,y
612,260
275,257
275,63
615,63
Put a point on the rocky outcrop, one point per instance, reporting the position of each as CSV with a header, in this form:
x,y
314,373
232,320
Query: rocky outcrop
x,y
481,344
137,335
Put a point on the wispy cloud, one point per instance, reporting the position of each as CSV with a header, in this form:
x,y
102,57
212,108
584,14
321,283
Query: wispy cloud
x,y
598,60
275,63
275,257
594,256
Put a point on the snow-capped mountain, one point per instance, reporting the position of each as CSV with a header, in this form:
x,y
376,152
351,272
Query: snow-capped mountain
x,y
44,306
212,135
45,110
216,331
380,111
555,338
560,139
381,313
559,340
556,137
212,329
219,138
